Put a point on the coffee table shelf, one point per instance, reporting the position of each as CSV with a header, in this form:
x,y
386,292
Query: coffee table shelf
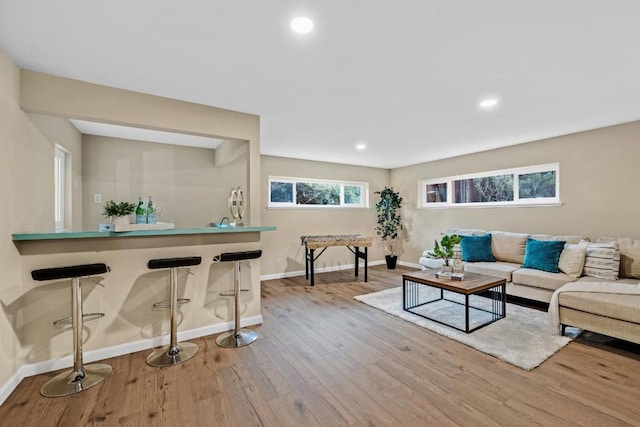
x,y
491,288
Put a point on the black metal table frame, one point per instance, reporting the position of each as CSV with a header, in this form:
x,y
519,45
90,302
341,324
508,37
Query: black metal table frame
x,y
411,297
310,258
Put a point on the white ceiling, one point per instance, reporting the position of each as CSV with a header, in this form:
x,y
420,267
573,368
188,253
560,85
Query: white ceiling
x,y
403,77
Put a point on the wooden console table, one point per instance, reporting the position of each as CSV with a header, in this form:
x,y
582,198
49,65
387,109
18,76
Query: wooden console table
x,y
311,243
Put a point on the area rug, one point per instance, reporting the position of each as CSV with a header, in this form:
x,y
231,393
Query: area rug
x,y
523,338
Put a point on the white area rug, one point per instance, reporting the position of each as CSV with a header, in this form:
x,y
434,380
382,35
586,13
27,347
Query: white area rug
x,y
523,338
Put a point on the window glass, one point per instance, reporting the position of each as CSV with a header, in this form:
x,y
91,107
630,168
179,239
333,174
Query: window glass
x,y
537,185
352,195
300,192
437,193
281,192
485,189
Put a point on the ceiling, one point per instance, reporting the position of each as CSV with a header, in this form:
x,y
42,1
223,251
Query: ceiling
x,y
404,78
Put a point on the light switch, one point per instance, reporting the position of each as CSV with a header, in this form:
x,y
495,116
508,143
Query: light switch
x,y
97,198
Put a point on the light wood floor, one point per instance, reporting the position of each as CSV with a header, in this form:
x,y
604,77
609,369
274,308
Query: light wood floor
x,y
325,359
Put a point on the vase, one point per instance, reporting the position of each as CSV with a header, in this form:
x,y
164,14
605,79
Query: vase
x,y
120,220
391,261
447,269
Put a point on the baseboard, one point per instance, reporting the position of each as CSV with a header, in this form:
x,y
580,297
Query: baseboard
x,y
316,270
37,368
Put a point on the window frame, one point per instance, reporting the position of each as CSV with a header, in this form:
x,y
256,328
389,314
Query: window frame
x,y
364,186
60,187
517,201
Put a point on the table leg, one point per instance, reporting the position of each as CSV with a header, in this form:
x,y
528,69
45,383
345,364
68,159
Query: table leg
x,y
504,300
306,263
357,254
366,263
466,313
311,259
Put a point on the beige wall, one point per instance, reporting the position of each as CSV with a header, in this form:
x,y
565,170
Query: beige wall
x,y
186,186
282,250
26,188
60,131
598,189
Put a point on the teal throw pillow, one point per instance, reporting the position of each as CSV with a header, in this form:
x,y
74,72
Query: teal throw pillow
x,y
543,255
477,248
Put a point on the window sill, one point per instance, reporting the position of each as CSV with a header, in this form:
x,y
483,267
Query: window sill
x,y
498,206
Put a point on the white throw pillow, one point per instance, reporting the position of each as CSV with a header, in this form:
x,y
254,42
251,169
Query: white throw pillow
x,y
572,259
602,260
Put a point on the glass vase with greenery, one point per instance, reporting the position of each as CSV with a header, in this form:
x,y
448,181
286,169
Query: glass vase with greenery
x,y
444,249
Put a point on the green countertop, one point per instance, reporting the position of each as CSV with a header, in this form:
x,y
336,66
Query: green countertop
x,y
56,235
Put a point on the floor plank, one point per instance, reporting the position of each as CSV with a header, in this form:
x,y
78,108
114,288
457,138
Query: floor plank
x,y
325,359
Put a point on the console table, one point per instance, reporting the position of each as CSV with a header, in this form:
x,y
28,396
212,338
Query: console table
x,y
353,242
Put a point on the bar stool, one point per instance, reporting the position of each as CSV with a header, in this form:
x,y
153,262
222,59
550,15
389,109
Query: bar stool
x,y
238,337
80,377
175,352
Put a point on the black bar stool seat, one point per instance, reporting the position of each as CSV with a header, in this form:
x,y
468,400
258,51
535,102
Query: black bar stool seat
x,y
175,352
238,337
81,377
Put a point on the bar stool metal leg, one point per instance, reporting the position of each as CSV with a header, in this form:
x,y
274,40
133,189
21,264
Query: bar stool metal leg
x,y
175,352
80,377
238,337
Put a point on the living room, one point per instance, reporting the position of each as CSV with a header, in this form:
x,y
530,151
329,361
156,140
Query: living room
x,y
322,358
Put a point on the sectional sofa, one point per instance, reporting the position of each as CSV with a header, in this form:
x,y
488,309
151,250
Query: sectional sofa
x,y
587,303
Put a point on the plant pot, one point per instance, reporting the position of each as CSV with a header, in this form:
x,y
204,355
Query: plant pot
x,y
391,261
120,220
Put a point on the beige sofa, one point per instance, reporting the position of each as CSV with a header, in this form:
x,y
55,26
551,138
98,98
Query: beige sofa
x,y
616,315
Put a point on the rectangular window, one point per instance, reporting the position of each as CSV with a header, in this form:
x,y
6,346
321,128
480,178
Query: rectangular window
x,y
59,171
301,192
531,185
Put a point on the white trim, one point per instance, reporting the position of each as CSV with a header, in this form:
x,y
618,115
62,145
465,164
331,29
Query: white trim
x,y
90,356
410,264
60,156
317,270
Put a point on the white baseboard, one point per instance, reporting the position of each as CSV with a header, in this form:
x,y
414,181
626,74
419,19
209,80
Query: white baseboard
x,y
113,351
316,270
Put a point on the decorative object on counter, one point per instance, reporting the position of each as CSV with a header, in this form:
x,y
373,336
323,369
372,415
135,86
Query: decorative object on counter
x,y
389,222
119,212
151,212
236,205
458,265
141,214
444,250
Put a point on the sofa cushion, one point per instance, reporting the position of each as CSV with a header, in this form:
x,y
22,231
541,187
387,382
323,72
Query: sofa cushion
x,y
629,255
540,279
602,260
508,247
571,260
502,270
476,248
615,306
595,279
543,255
569,239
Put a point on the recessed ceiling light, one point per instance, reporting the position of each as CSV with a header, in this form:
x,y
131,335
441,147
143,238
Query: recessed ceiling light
x,y
488,103
361,147
302,25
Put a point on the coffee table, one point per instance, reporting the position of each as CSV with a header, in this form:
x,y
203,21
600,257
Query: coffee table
x,y
478,285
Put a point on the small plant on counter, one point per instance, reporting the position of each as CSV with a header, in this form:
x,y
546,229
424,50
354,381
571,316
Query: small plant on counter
x,y
113,209
444,249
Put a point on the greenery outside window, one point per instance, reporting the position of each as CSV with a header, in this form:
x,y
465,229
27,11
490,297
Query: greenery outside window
x,y
530,185
305,193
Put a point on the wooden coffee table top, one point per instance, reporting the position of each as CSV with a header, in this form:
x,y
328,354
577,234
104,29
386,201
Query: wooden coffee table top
x,y
472,283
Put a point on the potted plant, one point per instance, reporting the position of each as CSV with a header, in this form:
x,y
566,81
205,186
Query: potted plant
x,y
119,212
389,222
444,249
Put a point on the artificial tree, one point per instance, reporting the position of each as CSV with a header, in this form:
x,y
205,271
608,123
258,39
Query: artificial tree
x,y
389,222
